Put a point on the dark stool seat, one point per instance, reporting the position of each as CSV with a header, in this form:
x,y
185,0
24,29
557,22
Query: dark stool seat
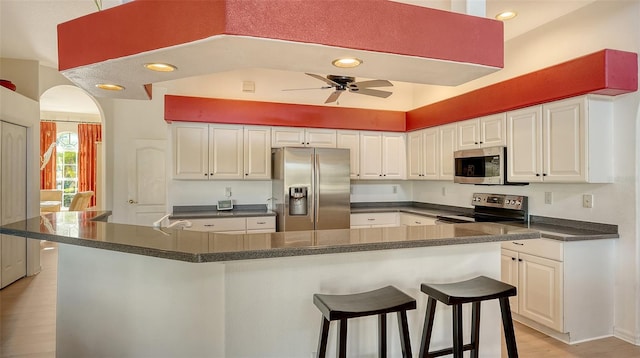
x,y
377,302
472,291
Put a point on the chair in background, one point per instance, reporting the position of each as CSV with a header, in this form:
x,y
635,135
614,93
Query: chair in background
x,y
80,201
50,200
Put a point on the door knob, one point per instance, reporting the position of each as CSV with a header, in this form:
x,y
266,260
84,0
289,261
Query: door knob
x,y
131,201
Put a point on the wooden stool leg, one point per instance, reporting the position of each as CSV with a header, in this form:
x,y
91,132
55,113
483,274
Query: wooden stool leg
x,y
405,340
507,325
457,331
382,335
342,339
324,335
475,329
427,329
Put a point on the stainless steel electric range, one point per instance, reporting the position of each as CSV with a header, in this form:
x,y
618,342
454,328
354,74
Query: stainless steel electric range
x,y
492,208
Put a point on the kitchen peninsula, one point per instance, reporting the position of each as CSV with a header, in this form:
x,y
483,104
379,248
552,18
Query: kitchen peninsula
x,y
136,291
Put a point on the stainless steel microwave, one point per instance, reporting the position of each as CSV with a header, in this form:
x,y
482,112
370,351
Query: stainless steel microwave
x,y
481,166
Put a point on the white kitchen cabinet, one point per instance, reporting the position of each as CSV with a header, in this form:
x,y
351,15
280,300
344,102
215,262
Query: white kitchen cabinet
x,y
565,289
415,220
447,141
568,141
423,154
261,224
351,140
382,155
369,220
303,137
220,152
257,152
482,132
241,225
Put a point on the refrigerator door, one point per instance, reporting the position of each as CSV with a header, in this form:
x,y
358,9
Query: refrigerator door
x,y
298,213
332,195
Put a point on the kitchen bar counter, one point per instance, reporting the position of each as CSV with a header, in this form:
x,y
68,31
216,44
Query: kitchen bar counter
x,y
80,228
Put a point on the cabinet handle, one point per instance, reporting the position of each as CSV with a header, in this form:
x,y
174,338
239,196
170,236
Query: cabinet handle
x,y
517,243
261,222
537,174
481,142
211,174
513,258
371,219
520,260
418,222
206,174
384,175
209,225
544,174
246,174
477,143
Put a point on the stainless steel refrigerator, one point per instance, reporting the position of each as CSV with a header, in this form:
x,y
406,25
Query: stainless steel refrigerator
x,y
311,188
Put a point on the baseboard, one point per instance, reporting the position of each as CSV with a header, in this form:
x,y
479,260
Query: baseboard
x,y
562,337
626,336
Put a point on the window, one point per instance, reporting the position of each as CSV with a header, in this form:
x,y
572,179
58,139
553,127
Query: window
x,y
67,166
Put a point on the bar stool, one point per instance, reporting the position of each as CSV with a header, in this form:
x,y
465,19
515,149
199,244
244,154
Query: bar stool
x,y
472,291
377,302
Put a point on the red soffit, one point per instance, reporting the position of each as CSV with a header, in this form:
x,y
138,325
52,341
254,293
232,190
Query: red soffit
x,y
607,72
213,110
396,41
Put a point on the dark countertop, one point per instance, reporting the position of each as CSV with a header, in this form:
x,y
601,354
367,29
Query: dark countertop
x,y
550,228
212,212
80,228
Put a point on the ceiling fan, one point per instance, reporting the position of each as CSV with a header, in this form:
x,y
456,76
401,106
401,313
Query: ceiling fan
x,y
344,83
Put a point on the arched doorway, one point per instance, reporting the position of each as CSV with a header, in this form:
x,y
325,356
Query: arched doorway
x,y
71,146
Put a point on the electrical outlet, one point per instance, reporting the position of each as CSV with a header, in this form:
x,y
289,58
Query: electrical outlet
x,y
227,192
444,191
395,189
548,197
587,201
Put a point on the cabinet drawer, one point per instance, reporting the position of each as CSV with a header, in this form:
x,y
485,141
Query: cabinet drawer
x,y
390,219
550,249
261,223
226,224
412,220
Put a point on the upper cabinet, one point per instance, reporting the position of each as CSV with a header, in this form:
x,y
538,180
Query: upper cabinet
x,y
221,152
447,140
565,141
351,140
423,154
303,137
382,155
482,132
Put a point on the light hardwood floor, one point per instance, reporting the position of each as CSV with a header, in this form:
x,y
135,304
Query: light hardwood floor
x,y
28,314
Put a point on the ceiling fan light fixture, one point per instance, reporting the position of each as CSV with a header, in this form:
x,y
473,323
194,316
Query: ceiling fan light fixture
x,y
160,67
110,87
506,15
347,62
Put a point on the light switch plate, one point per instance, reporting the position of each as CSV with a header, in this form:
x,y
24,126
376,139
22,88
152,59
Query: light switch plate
x,y
548,197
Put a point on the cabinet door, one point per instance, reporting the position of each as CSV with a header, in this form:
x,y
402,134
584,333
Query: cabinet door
x,y
351,140
257,153
416,220
447,145
394,156
226,153
563,141
468,134
190,151
287,137
415,155
509,274
524,152
541,296
321,138
431,152
370,155
493,131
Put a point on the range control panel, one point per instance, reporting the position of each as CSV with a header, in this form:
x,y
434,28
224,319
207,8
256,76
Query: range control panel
x,y
503,201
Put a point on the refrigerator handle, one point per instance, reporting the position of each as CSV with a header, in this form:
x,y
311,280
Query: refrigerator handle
x,y
312,203
316,191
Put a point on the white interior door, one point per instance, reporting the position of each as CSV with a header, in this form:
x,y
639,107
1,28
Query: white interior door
x,y
13,179
147,181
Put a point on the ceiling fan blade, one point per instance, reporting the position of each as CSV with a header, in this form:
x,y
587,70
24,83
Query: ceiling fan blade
x,y
372,92
323,79
333,97
373,83
304,89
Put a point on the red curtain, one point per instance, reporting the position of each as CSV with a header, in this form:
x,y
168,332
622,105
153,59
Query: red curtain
x,y
48,136
88,135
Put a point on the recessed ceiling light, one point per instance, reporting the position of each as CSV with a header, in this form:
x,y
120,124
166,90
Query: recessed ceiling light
x,y
347,62
506,15
110,87
160,67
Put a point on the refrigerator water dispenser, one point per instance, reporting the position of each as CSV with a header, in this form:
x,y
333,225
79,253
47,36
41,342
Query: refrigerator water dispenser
x,y
298,200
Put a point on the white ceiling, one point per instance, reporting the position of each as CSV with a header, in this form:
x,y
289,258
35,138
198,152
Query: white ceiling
x,y
28,31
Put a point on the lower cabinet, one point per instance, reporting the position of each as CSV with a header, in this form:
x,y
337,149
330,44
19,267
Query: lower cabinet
x,y
368,220
219,229
415,220
566,287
